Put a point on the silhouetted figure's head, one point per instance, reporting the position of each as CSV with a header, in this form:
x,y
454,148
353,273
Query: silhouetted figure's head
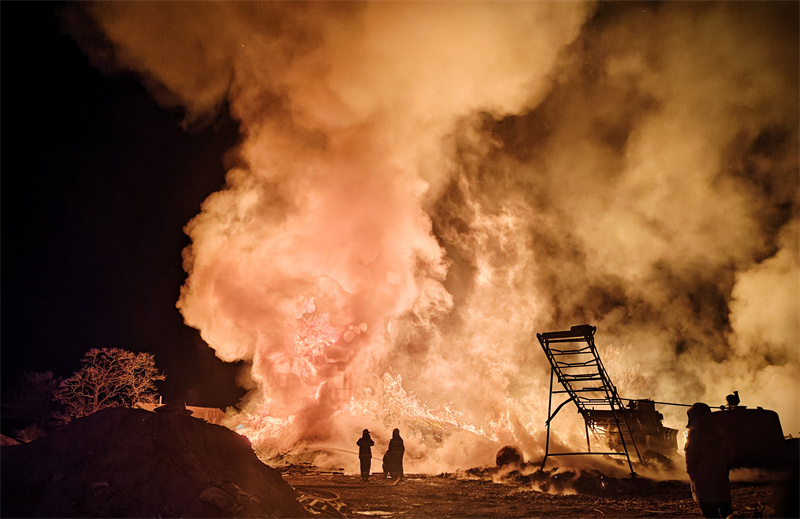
x,y
365,433
733,399
396,433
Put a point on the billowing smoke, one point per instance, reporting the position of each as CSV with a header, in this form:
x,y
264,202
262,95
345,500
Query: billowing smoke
x,y
421,187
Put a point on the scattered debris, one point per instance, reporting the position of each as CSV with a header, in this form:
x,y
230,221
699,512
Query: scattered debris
x,y
509,456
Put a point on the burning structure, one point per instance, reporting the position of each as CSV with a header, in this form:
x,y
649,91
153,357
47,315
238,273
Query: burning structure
x,y
399,216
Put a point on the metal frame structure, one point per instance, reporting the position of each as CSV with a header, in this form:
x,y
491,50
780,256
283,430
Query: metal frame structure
x,y
577,366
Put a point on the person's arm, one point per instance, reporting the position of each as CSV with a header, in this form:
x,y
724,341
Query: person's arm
x,y
691,456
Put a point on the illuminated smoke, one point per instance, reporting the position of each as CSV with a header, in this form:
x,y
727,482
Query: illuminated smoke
x,y
420,188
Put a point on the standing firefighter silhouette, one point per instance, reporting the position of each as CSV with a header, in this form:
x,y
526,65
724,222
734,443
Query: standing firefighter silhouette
x,y
393,459
365,444
708,460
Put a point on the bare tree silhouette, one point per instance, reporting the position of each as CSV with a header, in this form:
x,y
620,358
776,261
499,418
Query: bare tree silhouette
x,y
109,377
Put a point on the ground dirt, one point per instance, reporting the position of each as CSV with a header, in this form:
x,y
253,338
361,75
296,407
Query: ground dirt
x,y
136,463
476,494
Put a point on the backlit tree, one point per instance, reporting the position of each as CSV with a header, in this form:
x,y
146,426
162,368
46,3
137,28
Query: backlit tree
x,y
109,377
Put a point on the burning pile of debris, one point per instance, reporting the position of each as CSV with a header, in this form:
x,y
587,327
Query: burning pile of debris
x,y
512,469
575,481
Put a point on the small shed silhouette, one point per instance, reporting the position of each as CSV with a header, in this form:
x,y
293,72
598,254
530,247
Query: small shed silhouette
x,y
209,414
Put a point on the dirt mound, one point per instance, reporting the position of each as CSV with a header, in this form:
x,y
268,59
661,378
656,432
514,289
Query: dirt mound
x,y
132,463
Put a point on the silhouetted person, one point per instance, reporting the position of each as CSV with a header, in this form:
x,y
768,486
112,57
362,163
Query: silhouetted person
x,y
365,444
733,400
707,462
393,459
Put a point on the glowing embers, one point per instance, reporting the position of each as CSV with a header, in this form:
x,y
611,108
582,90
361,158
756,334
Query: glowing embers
x,y
394,405
258,426
318,342
315,335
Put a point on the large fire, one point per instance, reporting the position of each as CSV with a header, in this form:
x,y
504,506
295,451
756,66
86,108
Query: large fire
x,y
421,187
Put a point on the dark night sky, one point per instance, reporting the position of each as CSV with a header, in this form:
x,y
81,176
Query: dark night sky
x,y
97,184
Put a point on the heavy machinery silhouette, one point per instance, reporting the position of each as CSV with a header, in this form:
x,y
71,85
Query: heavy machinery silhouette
x,y
636,428
577,367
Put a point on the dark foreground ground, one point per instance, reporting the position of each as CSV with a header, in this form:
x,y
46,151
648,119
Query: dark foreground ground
x,y
476,495
133,463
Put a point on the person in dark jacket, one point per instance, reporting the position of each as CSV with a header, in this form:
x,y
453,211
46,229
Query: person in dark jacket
x,y
393,459
707,463
365,444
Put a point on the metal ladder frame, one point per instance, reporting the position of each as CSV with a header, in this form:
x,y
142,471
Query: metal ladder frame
x,y
578,369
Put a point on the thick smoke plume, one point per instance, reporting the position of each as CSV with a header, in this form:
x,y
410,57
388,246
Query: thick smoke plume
x,y
421,187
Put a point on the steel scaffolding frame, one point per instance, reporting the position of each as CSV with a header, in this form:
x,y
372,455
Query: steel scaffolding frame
x,y
581,373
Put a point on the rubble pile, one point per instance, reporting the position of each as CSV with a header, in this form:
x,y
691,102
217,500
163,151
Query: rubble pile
x,y
586,481
124,462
